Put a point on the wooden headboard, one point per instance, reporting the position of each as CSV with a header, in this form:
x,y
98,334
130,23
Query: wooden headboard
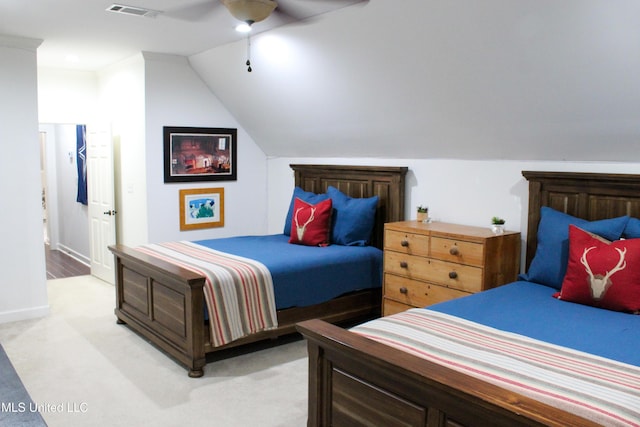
x,y
591,196
360,181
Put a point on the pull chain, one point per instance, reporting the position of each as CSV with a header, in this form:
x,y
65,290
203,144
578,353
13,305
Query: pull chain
x,y
248,63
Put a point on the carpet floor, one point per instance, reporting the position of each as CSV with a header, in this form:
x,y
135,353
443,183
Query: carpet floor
x,y
82,369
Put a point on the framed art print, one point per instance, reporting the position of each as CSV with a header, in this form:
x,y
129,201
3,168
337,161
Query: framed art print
x,y
200,154
201,208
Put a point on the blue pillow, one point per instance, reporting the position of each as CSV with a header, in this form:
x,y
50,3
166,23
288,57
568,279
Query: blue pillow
x,y
632,230
549,264
307,196
353,218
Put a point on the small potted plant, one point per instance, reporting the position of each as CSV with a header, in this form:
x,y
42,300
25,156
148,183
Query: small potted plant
x,y
423,213
497,225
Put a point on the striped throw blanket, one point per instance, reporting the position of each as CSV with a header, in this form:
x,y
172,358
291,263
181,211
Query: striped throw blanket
x,y
595,388
238,291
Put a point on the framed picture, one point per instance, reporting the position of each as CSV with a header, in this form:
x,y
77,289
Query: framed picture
x,y
201,208
200,154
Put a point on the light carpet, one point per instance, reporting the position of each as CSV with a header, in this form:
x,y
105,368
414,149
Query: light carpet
x,y
82,369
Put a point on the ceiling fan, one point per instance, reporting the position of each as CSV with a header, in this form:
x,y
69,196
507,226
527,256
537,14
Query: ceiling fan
x,y
250,11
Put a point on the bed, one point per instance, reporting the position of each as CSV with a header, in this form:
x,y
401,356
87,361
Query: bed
x,y
164,302
367,376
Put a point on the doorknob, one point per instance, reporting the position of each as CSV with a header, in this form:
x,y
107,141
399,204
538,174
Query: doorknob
x,y
111,212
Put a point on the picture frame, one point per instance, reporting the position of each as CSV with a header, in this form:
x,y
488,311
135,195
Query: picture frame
x,y
201,208
195,154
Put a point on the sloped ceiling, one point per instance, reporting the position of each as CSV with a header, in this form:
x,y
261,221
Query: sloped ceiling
x,y
460,79
491,79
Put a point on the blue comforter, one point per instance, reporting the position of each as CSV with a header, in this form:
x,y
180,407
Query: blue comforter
x,y
529,309
307,275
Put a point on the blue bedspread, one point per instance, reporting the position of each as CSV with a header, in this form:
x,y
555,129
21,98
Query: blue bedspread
x,y
306,275
529,309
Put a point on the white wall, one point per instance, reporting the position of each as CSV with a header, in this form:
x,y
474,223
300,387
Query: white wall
x,y
73,216
457,191
136,98
23,292
176,96
68,219
121,101
66,98
48,134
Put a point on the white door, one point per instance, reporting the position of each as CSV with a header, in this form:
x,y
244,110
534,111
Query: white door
x,y
102,222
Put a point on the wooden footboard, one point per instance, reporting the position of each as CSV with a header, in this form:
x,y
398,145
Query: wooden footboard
x,y
357,381
163,303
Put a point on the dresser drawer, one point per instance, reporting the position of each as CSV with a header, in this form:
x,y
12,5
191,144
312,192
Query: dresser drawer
x,y
457,276
390,306
457,251
408,243
416,293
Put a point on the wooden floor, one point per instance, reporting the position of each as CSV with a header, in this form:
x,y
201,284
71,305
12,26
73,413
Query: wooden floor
x,y
61,265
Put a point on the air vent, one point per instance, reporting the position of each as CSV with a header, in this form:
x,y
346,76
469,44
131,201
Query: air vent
x,y
132,10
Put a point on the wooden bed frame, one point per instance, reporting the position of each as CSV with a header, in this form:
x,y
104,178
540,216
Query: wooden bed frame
x,y
356,381
164,303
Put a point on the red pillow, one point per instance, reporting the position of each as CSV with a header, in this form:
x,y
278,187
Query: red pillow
x,y
601,273
311,224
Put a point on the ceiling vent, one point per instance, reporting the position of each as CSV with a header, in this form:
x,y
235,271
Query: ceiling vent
x,y
132,10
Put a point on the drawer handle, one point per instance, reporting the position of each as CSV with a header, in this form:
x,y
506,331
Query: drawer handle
x,y
454,250
403,264
403,290
453,275
404,243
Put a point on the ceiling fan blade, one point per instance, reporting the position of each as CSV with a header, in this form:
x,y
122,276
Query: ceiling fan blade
x,y
289,13
300,12
194,12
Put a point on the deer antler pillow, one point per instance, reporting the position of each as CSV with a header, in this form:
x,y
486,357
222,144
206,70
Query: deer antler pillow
x,y
602,273
307,196
311,224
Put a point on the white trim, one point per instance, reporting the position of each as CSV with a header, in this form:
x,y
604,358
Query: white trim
x,y
20,42
25,314
75,255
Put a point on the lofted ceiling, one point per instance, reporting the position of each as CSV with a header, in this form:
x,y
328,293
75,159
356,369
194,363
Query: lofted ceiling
x,y
463,79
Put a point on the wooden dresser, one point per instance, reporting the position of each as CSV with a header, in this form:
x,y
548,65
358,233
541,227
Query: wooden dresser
x,y
429,263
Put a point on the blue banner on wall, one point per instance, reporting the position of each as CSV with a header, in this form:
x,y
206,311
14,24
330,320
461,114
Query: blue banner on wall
x,y
81,163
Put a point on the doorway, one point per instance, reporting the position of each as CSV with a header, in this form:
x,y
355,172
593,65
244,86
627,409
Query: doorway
x,y
80,231
65,222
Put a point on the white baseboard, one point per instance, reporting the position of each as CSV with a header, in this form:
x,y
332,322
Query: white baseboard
x,y
75,255
24,314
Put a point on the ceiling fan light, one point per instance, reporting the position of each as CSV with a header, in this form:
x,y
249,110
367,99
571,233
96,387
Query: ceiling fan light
x,y
243,28
250,10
